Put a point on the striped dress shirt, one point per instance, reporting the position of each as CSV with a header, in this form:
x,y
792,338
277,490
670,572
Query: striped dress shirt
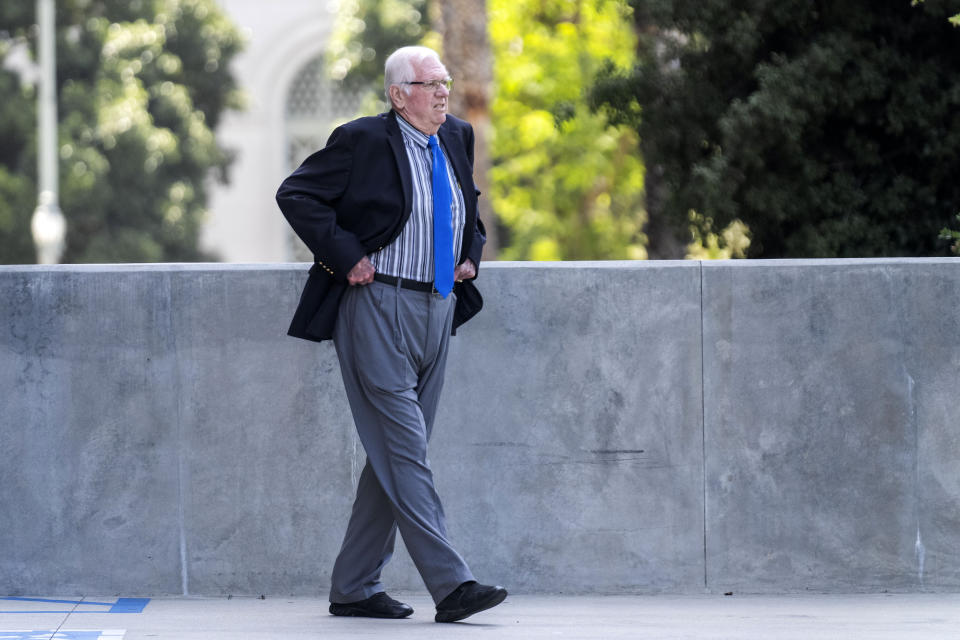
x,y
410,256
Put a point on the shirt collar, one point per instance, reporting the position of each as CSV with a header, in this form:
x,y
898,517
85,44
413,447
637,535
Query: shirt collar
x,y
411,132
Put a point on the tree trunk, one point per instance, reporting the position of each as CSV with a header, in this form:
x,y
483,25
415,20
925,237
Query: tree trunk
x,y
467,56
665,239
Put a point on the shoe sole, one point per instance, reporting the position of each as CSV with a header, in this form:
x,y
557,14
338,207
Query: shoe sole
x,y
354,612
456,616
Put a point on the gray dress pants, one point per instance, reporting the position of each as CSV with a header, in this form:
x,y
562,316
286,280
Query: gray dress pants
x,y
392,347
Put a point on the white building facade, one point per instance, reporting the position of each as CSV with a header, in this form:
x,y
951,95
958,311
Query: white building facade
x,y
290,111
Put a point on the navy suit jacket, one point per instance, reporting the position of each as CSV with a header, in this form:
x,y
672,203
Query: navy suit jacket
x,y
353,197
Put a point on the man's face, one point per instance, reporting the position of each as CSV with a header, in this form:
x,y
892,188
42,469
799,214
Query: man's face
x,y
425,109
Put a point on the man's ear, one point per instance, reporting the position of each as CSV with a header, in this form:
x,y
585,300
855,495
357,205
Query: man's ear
x,y
397,96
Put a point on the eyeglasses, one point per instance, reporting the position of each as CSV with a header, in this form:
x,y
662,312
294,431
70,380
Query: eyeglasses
x,y
433,85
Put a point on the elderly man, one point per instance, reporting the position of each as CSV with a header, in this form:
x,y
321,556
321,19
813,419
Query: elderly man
x,y
389,210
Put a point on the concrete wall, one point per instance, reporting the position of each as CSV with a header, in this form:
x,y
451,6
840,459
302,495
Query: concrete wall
x,y
768,426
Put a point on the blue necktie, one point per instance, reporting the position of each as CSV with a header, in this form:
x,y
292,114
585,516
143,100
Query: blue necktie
x,y
442,224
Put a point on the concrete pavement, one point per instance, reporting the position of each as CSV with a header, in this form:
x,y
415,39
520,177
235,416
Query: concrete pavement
x,y
661,617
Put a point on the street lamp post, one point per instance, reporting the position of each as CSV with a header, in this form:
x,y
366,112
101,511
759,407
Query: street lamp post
x,y
48,224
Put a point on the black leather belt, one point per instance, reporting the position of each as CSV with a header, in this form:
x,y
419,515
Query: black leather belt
x,y
413,285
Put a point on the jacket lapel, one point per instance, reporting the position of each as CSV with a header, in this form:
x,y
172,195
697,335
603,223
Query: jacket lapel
x,y
395,138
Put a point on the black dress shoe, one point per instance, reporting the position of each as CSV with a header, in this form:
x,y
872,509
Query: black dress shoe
x,y
379,605
467,599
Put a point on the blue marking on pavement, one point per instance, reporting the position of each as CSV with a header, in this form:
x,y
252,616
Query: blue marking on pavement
x,y
122,605
129,605
63,634
105,604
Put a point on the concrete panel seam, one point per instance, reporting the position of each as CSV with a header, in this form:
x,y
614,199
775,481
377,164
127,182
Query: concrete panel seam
x,y
178,394
703,431
914,426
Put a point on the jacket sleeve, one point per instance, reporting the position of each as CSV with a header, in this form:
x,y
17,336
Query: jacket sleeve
x,y
478,232
476,247
308,200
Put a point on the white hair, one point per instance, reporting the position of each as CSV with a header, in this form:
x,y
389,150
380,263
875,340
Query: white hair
x,y
400,67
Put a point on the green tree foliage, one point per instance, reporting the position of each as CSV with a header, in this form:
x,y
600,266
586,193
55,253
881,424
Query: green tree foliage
x,y
830,129
141,85
953,236
18,196
366,32
566,184
732,242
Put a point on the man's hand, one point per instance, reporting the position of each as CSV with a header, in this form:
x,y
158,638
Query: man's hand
x,y
465,271
362,272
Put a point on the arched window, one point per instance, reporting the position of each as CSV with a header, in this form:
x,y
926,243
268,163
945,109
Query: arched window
x,y
315,106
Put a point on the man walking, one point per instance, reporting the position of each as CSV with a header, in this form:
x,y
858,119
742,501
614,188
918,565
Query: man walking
x,y
389,210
